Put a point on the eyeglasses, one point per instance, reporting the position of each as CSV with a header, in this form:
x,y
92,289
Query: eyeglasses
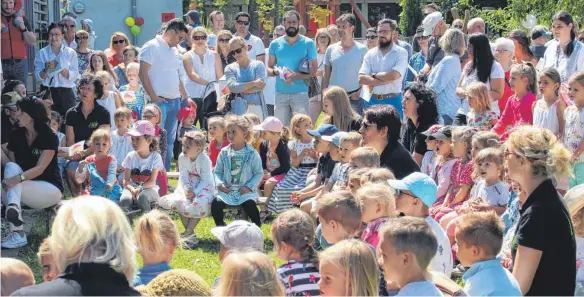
x,y
121,41
199,37
148,116
323,37
366,125
70,26
226,40
55,34
398,192
371,37
457,27
82,37
383,32
244,23
423,37
237,51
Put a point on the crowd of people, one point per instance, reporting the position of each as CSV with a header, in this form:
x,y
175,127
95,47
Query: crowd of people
x,y
384,170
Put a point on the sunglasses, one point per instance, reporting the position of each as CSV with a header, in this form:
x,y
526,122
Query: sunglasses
x,y
237,51
398,193
70,26
372,37
423,37
82,37
199,37
245,23
366,125
121,41
224,40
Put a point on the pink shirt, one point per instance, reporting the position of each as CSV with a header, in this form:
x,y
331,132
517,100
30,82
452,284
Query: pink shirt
x,y
517,112
371,234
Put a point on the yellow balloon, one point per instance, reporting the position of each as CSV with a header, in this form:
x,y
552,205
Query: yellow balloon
x,y
130,21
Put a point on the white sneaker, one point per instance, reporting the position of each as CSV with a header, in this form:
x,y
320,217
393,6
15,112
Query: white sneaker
x,y
14,241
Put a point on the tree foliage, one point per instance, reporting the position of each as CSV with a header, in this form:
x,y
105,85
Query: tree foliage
x,y
410,17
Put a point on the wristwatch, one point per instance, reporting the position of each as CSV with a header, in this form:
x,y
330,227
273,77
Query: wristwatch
x,y
21,177
374,75
24,30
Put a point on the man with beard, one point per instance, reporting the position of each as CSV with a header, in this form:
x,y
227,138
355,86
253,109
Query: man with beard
x,y
343,60
384,68
434,26
255,46
285,58
15,37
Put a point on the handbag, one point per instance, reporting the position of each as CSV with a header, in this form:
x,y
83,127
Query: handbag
x,y
313,87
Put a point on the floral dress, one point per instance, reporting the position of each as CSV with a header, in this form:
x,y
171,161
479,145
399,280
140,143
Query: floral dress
x,y
482,120
461,175
135,101
574,131
300,278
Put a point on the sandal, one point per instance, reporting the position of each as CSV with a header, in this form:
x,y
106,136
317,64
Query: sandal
x,y
264,214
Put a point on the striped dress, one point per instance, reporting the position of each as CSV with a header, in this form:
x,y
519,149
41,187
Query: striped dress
x,y
295,180
300,278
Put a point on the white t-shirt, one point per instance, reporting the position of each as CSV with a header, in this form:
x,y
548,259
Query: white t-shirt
x,y
109,103
495,195
496,72
442,262
121,147
255,47
165,67
270,88
134,161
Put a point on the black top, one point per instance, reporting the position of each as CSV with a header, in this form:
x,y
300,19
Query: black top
x,y
7,127
355,125
325,167
413,139
396,158
226,61
545,225
283,154
435,52
27,156
84,127
85,279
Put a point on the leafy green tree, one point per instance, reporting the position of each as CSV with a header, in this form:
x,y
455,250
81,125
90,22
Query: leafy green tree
x,y
410,17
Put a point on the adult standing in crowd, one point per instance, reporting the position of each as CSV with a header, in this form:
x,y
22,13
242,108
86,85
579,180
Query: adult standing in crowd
x,y
31,174
418,60
255,46
115,53
381,129
384,68
193,18
372,38
222,48
83,51
343,61
246,78
15,38
476,26
203,67
430,8
540,38
544,247
270,89
401,43
131,54
217,20
435,27
564,53
81,121
70,26
57,67
323,41
482,68
92,244
334,31
504,51
420,108
444,77
87,26
289,53
159,72
523,52
10,112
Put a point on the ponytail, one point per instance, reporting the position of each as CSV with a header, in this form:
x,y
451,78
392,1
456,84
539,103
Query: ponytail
x,y
155,231
527,69
154,144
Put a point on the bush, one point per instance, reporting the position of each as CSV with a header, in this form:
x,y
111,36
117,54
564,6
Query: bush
x,y
410,17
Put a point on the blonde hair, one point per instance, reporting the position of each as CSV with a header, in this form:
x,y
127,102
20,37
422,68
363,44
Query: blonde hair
x,y
91,229
132,66
325,32
479,93
481,229
377,176
104,76
241,123
249,274
353,137
341,207
222,33
367,156
464,134
253,118
577,77
219,121
453,42
527,69
154,232
123,112
119,34
197,138
382,194
296,120
154,109
411,235
493,155
100,134
357,174
296,228
45,248
199,30
548,156
359,265
344,113
486,139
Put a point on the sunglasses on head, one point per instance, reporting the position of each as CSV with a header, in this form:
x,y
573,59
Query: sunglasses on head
x,y
226,40
237,51
245,23
122,41
199,37
372,37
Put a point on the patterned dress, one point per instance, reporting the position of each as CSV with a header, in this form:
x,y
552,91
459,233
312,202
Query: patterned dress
x,y
461,175
482,120
300,278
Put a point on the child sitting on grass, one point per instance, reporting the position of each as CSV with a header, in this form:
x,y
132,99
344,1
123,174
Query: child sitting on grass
x,y
121,142
377,206
479,237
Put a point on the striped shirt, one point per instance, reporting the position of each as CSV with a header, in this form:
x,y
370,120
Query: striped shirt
x,y
300,279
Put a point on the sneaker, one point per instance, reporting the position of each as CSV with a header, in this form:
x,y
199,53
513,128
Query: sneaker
x,y
14,215
190,242
14,241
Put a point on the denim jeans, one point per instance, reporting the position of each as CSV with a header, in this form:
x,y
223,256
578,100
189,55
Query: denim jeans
x,y
395,101
15,69
169,122
358,105
288,105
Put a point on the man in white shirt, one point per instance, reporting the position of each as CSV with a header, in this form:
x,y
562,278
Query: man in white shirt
x,y
384,68
160,67
417,192
217,20
343,60
255,46
70,30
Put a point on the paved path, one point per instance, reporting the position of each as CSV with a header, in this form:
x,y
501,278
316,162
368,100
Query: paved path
x,y
30,216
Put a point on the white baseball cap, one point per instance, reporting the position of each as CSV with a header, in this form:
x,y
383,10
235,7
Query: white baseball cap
x,y
240,236
430,22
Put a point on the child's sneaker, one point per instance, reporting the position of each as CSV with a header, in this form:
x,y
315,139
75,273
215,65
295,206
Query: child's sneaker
x,y
14,241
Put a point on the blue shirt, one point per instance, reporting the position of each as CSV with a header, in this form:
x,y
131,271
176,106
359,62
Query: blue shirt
x,y
237,77
443,80
423,288
490,278
417,62
148,272
290,56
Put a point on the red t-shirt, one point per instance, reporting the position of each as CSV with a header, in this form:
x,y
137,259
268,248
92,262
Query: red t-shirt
x,y
112,60
214,152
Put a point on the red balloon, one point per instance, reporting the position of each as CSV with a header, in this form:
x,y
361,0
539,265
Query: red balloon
x,y
139,21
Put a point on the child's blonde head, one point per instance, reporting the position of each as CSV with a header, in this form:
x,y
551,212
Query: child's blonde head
x,y
249,274
377,176
490,155
217,121
574,200
358,263
481,229
411,235
155,232
354,138
241,123
485,139
478,96
296,229
295,122
357,174
464,135
45,249
123,112
341,207
366,157
195,138
253,118
154,109
100,134
382,194
103,76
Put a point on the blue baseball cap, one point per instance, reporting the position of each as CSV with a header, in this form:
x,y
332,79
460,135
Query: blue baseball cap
x,y
335,138
421,185
323,130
